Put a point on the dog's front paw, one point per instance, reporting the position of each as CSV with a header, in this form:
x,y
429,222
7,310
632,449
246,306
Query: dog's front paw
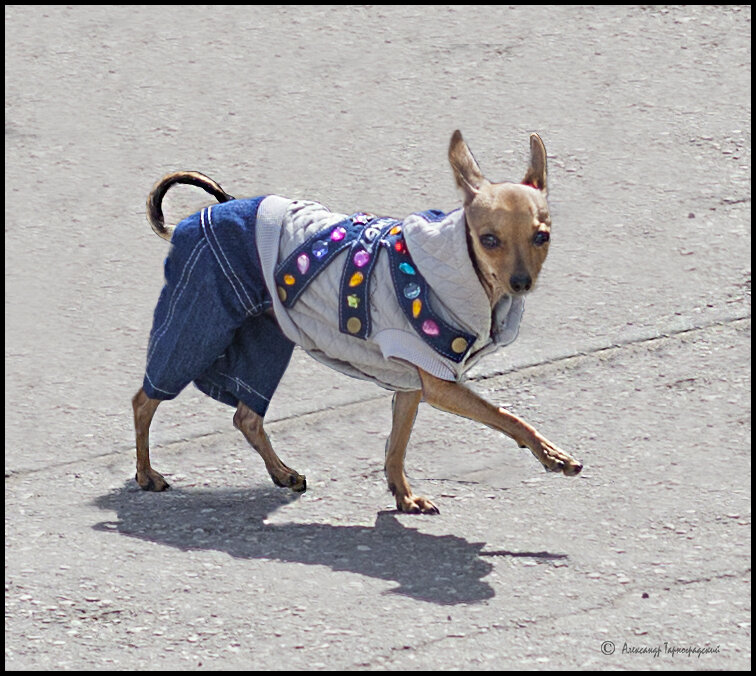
x,y
415,504
553,458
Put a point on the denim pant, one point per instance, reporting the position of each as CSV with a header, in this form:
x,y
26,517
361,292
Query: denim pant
x,y
210,324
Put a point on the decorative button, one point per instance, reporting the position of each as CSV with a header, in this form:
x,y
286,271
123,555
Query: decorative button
x,y
320,249
353,325
303,263
289,279
361,258
459,345
356,279
430,327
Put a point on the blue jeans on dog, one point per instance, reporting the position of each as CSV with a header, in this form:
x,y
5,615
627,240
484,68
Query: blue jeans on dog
x,y
210,324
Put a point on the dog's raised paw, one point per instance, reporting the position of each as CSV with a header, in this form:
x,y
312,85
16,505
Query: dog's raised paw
x,y
554,459
573,469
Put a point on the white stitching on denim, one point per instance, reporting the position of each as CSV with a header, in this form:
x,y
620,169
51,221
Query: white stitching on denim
x,y
155,387
241,383
179,289
220,265
250,309
255,309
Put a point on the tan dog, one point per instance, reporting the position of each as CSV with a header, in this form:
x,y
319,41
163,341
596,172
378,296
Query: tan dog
x,y
508,228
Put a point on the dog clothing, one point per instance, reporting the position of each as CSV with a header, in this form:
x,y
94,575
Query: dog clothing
x,y
210,324
373,298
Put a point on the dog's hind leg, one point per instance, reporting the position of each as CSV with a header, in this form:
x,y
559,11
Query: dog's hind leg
x,y
404,410
144,409
250,424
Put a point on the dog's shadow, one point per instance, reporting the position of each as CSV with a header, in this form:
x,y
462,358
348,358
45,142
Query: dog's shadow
x,y
440,569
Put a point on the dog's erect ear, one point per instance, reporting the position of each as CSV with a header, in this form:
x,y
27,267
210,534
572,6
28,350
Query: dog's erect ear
x,y
466,170
536,174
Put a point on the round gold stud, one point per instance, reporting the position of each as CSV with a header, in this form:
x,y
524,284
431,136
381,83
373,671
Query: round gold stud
x,y
282,293
353,325
459,345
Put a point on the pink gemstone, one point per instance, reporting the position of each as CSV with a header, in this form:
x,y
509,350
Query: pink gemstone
x,y
361,258
338,234
430,327
303,263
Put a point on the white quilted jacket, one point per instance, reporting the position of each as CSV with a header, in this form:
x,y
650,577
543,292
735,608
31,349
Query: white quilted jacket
x,y
393,348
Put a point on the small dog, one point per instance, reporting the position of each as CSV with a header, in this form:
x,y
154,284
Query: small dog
x,y
247,279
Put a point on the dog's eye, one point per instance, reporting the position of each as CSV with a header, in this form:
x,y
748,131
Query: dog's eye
x,y
541,237
489,241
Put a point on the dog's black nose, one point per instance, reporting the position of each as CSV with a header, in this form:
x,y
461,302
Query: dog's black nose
x,y
520,282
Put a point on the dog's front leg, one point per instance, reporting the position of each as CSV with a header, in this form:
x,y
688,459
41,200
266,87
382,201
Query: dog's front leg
x,y
456,398
404,410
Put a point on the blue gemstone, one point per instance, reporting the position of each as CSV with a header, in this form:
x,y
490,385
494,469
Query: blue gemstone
x,y
406,268
320,249
412,290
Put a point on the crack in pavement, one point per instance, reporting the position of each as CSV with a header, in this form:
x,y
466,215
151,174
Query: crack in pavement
x,y
521,368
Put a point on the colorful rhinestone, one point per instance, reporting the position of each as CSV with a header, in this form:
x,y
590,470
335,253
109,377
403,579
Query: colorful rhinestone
x,y
412,290
338,234
371,233
320,249
406,268
361,258
353,301
303,263
417,305
395,230
356,279
430,327
289,279
400,246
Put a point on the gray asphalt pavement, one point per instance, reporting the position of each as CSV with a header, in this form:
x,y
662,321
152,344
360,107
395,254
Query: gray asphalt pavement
x,y
634,354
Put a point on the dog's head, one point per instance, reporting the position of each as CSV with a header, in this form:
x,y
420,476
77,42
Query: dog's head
x,y
508,224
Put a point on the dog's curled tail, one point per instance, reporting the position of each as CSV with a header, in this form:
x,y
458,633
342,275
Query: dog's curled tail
x,y
155,198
